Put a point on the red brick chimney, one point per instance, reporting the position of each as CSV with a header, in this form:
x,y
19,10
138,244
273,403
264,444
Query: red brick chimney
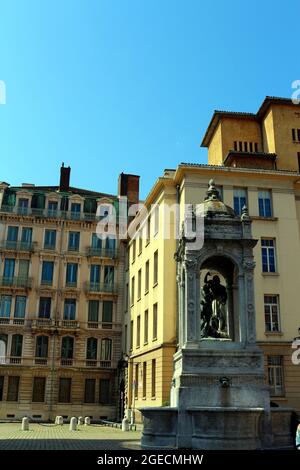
x,y
129,185
64,182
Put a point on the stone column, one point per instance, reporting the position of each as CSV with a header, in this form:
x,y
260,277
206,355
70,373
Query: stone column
x,y
191,314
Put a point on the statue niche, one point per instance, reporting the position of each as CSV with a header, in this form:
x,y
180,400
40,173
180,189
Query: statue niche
x,y
216,300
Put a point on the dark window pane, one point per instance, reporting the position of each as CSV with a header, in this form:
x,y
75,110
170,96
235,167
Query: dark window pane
x,y
89,390
64,395
38,392
104,392
13,388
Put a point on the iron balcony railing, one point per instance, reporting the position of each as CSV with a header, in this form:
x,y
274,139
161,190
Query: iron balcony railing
x,y
101,287
102,252
12,321
49,323
17,245
57,362
16,281
51,213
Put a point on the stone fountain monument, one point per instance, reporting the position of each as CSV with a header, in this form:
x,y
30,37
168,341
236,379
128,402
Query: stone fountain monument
x,y
219,397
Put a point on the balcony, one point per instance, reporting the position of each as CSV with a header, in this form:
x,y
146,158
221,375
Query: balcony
x,y
102,252
50,213
57,362
7,245
100,287
12,321
21,282
43,323
68,324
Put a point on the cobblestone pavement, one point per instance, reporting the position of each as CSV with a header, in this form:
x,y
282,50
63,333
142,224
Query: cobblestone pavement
x,y
51,437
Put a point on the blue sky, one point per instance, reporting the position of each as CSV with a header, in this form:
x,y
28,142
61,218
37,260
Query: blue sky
x,y
117,85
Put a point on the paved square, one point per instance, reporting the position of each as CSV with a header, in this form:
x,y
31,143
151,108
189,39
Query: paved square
x,y
53,437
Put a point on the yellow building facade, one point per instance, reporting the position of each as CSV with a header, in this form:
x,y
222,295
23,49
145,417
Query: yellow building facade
x,y
254,160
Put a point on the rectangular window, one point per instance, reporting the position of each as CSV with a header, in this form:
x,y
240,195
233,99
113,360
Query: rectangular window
x,y
71,274
9,269
154,322
20,306
23,269
109,274
148,234
156,219
106,349
52,208
23,205
271,304
298,156
138,331
5,306
45,307
140,242
70,309
16,346
133,249
90,390
139,284
125,338
147,277
74,240
251,146
26,236
155,268
255,147
12,237
235,145
50,240
268,255
64,393
95,274
38,391
298,134
13,388
144,379
240,146
264,203
75,210
136,381
96,242
153,377
1,386
132,291
93,313
131,335
239,200
47,272
146,327
275,375
126,296
245,146
104,391
294,134
107,314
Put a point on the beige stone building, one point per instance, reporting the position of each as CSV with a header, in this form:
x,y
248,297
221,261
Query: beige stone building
x,y
61,302
255,161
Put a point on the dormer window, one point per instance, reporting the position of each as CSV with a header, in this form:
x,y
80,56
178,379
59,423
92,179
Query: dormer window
x,y
23,205
75,210
52,208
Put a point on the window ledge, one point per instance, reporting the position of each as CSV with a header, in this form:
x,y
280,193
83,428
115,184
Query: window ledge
x,y
154,339
155,284
153,398
147,243
147,292
268,219
138,299
273,333
270,274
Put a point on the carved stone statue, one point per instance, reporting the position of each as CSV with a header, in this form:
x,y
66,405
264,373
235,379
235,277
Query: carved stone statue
x,y
213,308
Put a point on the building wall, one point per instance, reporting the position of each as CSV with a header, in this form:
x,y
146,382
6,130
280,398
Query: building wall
x,y
78,370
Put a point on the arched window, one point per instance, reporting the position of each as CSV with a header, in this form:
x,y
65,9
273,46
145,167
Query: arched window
x,y
41,347
16,346
3,348
91,348
67,347
106,348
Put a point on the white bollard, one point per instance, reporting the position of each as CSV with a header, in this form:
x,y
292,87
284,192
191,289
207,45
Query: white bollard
x,y
87,421
125,424
25,424
73,424
60,420
80,420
